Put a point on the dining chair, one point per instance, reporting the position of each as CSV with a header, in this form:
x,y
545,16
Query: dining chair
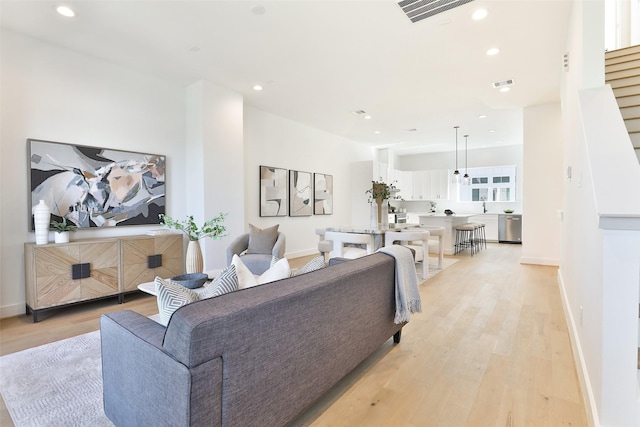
x,y
406,238
343,244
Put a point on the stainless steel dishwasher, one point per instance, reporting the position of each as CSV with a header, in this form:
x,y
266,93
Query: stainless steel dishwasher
x,y
509,228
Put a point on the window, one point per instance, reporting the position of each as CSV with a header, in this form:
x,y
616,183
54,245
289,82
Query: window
x,y
491,184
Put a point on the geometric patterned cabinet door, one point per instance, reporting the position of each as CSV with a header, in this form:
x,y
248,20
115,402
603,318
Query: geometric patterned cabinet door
x,y
67,273
145,257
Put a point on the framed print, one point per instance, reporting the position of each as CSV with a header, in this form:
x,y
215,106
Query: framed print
x,y
300,193
96,187
273,191
322,194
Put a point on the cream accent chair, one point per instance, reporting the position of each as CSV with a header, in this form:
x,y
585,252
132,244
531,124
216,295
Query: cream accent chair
x,y
339,250
408,239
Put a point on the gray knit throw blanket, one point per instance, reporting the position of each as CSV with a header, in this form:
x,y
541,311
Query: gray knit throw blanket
x,y
407,291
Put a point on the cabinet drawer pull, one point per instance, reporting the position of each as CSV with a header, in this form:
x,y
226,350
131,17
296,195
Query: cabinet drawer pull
x,y
80,271
154,261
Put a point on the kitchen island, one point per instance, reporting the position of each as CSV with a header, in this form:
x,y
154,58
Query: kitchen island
x,y
449,222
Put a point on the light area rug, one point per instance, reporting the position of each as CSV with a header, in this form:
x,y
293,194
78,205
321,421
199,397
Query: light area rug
x,y
433,266
56,384
60,384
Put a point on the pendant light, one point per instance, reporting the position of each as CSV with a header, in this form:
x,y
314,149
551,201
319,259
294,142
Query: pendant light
x,y
465,179
456,173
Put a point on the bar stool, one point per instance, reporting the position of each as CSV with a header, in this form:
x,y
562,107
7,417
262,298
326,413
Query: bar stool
x,y
465,235
478,236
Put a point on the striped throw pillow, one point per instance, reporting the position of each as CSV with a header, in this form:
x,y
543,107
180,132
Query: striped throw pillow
x,y
226,281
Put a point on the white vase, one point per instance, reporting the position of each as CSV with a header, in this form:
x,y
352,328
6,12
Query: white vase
x,y
193,261
385,214
374,215
41,221
61,237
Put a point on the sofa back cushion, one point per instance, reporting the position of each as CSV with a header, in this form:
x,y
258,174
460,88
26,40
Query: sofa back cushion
x,y
285,342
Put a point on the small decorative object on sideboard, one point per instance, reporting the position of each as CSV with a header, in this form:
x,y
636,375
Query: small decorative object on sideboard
x,y
62,230
41,217
212,228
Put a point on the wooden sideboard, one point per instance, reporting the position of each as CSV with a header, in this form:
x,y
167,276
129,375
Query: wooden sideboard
x,y
62,274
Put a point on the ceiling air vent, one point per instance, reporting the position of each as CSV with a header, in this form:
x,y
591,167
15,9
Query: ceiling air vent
x,y
417,10
503,83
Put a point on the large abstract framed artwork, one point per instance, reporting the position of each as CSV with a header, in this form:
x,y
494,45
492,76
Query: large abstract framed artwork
x,y
273,191
300,193
96,187
323,194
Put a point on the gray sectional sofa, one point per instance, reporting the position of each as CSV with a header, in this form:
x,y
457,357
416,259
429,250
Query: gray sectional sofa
x,y
254,357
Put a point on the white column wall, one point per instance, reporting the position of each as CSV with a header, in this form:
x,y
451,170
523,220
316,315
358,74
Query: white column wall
x,y
542,156
214,163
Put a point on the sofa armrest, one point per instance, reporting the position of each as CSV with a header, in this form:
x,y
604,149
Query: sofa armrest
x,y
144,385
237,246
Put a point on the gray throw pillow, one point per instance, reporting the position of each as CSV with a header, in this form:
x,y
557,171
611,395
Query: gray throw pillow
x,y
262,241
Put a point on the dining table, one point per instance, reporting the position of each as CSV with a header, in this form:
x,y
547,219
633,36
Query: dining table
x,y
379,232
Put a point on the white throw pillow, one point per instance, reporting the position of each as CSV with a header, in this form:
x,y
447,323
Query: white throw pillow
x,y
280,270
172,296
246,279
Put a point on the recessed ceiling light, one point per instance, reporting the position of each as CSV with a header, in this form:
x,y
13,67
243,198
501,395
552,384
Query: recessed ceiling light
x,y
257,9
377,131
479,14
367,117
505,89
257,87
493,51
65,11
492,130
482,116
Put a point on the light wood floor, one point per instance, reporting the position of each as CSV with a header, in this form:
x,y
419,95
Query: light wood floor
x,y
491,348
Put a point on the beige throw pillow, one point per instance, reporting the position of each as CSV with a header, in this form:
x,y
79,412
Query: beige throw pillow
x,y
261,241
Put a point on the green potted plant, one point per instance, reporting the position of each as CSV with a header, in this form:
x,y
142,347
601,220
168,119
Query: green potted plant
x,y
62,230
212,228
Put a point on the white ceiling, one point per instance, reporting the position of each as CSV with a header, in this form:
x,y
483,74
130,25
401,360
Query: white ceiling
x,y
320,60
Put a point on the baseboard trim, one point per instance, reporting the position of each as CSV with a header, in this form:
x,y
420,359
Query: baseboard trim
x,y
578,357
305,252
12,310
539,261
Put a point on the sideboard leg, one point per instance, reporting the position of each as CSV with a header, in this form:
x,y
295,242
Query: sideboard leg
x,y
396,336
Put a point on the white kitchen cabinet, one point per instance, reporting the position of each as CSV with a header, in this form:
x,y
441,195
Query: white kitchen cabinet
x,y
490,222
421,186
438,184
405,184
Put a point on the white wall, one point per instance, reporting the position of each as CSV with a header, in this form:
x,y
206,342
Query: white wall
x,y
599,267
542,184
271,140
55,94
